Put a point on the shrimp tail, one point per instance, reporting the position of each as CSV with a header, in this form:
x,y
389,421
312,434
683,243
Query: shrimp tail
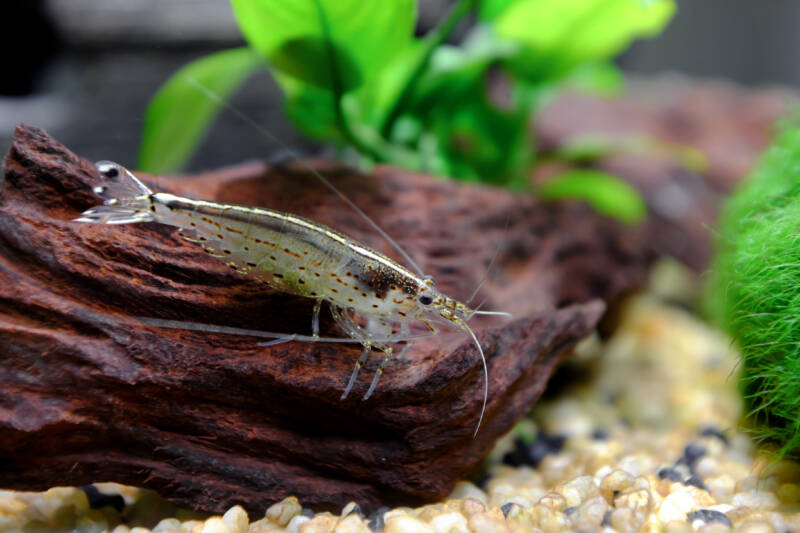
x,y
126,199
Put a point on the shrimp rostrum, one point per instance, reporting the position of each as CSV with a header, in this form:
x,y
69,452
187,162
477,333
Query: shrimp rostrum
x,y
373,299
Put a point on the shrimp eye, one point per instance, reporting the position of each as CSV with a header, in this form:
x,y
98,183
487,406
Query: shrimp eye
x,y
425,299
111,172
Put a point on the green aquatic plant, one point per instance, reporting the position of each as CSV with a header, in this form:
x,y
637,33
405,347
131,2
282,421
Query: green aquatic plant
x,y
754,291
354,74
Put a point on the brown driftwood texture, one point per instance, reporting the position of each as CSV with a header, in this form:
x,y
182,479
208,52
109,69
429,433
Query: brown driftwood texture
x,y
88,393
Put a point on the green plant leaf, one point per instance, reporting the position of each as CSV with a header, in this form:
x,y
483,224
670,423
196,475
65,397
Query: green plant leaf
x,y
491,9
180,112
331,44
310,108
606,193
558,35
601,78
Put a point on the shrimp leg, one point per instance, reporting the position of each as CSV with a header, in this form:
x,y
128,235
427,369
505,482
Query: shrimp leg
x,y
315,318
356,369
379,371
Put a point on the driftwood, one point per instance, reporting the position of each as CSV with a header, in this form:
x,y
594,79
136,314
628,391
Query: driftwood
x,y
88,393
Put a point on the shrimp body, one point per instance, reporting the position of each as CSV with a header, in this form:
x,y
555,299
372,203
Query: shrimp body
x,y
298,256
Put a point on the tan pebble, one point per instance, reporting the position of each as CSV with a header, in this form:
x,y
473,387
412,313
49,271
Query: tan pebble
x,y
713,527
212,525
168,524
352,523
554,501
707,467
777,520
12,506
747,483
122,528
465,489
789,493
236,519
283,511
577,490
722,487
678,526
427,512
589,515
753,526
406,524
296,522
9,522
793,522
549,520
634,499
626,520
449,522
739,514
347,509
556,468
615,481
471,506
322,523
757,500
489,522
191,526
139,530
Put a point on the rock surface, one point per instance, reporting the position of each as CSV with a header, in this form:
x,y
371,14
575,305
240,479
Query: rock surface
x,y
88,393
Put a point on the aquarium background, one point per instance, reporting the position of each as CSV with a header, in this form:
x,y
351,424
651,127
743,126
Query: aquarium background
x,y
84,70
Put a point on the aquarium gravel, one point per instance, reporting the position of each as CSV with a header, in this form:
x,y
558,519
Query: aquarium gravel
x,y
644,438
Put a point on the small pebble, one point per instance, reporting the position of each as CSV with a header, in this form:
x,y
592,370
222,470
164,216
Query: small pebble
x,y
451,522
506,507
283,511
695,481
709,515
236,519
98,500
670,474
167,524
406,524
376,519
213,525
713,431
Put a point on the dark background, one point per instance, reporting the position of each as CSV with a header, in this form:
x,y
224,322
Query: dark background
x,y
85,69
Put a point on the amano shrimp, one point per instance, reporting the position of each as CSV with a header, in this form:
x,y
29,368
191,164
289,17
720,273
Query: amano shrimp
x,y
301,257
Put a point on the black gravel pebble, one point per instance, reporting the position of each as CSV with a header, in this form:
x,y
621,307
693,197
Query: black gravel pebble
x,y
713,431
691,454
98,500
524,454
307,512
600,434
376,519
606,519
696,482
569,511
506,508
709,515
670,474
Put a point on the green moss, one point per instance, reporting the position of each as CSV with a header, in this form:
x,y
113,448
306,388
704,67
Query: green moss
x,y
755,288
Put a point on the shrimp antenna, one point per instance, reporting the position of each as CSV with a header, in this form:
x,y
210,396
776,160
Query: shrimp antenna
x,y
269,135
493,313
491,262
485,376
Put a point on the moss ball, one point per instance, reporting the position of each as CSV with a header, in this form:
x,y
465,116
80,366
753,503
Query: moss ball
x,y
755,288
